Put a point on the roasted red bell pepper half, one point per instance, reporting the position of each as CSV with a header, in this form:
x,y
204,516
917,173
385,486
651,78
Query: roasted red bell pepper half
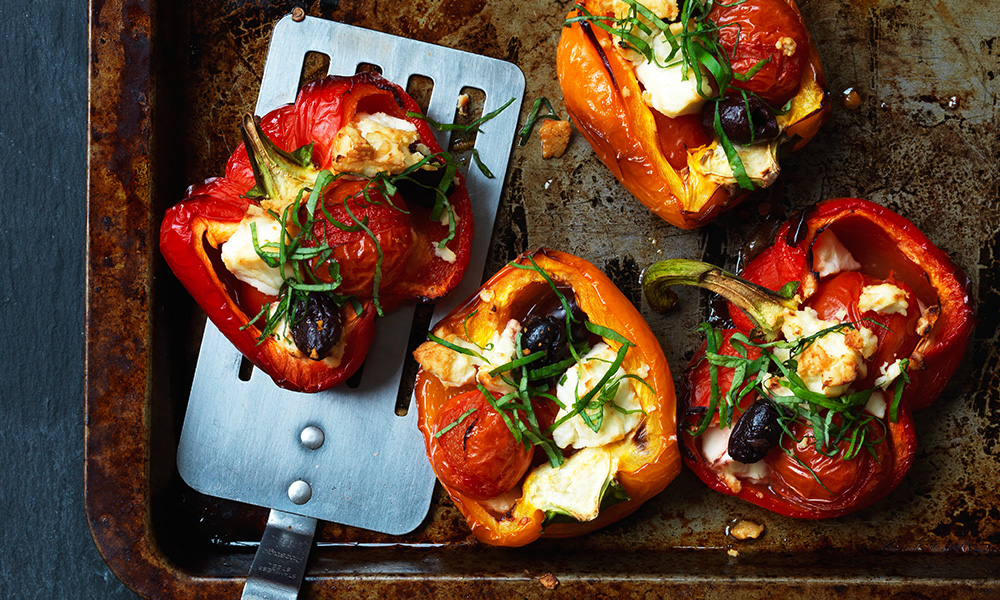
x,y
688,103
546,403
843,327
334,208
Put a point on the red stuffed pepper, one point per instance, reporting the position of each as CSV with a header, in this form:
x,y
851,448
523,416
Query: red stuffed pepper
x,y
804,406
546,403
689,102
335,207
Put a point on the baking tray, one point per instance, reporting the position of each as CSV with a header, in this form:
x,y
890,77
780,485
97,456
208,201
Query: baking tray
x,y
166,79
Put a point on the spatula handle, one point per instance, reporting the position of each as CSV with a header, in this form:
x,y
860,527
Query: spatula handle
x,y
280,562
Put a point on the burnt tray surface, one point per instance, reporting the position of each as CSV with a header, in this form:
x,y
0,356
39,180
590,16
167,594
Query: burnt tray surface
x,y
165,81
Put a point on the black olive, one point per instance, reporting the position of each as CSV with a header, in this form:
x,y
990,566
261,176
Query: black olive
x,y
755,433
545,334
578,330
317,325
736,119
418,188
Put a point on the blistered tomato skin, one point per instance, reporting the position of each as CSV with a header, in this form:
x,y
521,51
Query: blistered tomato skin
x,y
802,482
768,31
476,454
194,230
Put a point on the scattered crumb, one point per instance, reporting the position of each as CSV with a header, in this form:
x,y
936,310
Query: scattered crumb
x,y
744,529
548,581
852,99
463,104
555,137
786,45
733,552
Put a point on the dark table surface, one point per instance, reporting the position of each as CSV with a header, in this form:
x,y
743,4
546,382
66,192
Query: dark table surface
x,y
45,546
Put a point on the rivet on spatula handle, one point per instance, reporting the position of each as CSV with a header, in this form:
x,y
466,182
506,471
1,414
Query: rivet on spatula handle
x,y
280,562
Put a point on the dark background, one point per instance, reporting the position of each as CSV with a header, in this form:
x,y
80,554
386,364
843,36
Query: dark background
x,y
45,547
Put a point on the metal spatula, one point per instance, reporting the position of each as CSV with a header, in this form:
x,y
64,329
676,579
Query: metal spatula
x,y
343,455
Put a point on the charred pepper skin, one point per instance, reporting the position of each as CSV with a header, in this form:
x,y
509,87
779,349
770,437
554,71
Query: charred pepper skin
x,y
193,230
650,154
652,461
885,244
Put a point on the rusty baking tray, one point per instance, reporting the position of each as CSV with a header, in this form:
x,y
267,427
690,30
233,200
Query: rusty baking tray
x,y
167,78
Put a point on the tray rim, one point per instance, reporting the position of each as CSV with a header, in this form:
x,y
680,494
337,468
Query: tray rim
x,y
118,391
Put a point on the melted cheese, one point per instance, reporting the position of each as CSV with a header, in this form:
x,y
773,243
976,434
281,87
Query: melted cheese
x,y
831,257
242,260
759,160
671,90
579,380
376,143
573,488
884,299
831,363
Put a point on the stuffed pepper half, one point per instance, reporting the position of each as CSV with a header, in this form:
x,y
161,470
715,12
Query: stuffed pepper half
x,y
804,405
335,207
546,403
688,103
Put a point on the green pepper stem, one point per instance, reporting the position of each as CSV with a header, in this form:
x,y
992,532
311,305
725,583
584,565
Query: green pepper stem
x,y
279,174
764,307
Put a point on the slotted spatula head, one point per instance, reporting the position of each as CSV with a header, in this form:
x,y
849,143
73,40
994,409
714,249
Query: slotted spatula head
x,y
344,455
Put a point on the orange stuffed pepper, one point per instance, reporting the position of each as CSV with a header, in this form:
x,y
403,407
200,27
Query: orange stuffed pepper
x,y
688,106
546,403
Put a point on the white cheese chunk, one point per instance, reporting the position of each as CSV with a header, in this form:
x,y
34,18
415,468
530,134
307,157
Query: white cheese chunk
x,y
242,260
573,488
760,161
445,253
831,257
579,380
456,369
671,90
876,405
883,298
890,371
831,363
375,143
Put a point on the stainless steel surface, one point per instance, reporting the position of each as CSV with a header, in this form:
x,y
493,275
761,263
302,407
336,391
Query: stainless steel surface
x,y
280,562
243,440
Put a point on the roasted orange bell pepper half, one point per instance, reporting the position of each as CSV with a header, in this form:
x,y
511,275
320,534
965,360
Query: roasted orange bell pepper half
x,y
493,416
657,142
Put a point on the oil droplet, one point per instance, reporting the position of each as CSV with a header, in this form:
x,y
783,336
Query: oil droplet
x,y
851,99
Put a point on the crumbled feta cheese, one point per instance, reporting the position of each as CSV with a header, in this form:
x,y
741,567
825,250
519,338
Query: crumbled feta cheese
x,y
375,143
890,371
830,256
456,369
242,260
671,90
787,45
453,368
574,487
884,299
876,405
446,254
831,363
578,381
